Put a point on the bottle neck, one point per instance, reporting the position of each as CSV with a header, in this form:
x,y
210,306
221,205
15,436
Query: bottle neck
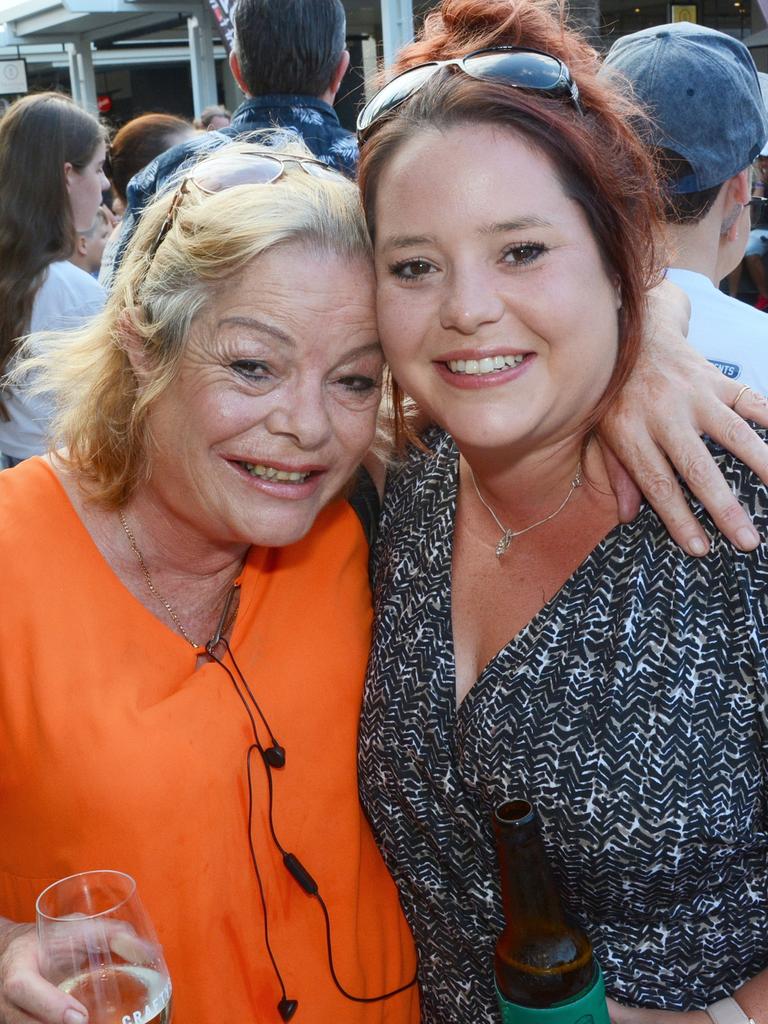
x,y
529,890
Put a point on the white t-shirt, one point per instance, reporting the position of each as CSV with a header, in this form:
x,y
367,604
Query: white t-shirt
x,y
67,298
730,333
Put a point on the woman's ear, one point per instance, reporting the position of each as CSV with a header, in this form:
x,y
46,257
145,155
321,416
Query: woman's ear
x,y
131,341
617,290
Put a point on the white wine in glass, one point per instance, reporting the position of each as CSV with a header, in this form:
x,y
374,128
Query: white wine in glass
x,y
98,945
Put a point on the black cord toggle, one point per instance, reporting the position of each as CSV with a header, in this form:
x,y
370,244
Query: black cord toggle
x,y
300,873
274,755
287,1007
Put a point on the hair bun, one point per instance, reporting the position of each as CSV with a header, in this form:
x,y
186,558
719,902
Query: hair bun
x,y
458,27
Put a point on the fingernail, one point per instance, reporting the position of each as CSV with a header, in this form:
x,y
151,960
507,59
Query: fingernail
x,y
75,1017
698,546
747,538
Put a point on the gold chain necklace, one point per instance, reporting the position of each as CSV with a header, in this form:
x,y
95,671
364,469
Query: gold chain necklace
x,y
507,535
150,585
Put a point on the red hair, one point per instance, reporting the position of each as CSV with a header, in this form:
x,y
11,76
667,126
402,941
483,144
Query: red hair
x,y
599,156
460,26
138,142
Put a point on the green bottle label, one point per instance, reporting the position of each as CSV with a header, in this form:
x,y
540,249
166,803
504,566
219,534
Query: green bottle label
x,y
588,1007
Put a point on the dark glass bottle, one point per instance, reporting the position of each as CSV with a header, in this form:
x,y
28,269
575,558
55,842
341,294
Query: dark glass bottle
x,y
543,963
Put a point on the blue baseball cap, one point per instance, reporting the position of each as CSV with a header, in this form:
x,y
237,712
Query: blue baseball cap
x,y
701,88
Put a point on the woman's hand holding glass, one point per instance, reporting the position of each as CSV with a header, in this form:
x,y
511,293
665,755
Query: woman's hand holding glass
x,y
94,956
25,996
97,944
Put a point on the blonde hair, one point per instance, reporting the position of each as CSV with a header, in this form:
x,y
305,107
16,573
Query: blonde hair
x,y
102,403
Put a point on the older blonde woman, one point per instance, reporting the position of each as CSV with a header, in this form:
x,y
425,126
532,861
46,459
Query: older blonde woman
x,y
189,593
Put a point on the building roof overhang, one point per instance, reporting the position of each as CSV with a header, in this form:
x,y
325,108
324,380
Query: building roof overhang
x,y
62,21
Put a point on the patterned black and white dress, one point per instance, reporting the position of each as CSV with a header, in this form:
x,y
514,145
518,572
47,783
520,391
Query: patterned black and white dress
x,y
632,710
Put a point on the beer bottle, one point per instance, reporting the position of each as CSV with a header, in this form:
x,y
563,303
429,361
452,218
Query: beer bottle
x,y
545,970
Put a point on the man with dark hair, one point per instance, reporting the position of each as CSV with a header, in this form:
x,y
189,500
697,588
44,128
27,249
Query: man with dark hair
x,y
289,58
289,47
709,124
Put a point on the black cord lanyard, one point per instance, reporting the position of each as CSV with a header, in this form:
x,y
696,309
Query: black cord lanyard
x,y
274,757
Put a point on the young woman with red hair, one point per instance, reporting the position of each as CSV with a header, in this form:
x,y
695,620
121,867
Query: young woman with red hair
x,y
528,643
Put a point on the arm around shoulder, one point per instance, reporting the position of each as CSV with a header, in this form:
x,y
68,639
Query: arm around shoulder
x,y
672,398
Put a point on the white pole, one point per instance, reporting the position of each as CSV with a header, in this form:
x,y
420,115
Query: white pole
x,y
397,26
74,73
82,75
201,63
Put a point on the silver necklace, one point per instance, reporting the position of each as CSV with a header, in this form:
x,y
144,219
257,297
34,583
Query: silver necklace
x,y
507,535
150,585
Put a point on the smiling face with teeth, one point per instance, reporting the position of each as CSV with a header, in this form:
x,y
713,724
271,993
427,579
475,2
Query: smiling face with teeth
x,y
496,311
275,401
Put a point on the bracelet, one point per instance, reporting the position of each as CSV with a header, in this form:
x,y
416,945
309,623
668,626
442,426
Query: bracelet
x,y
727,1011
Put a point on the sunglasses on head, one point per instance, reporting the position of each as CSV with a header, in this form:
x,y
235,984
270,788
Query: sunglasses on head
x,y
513,65
243,168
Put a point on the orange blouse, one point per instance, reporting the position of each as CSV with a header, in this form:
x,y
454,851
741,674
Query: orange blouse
x,y
115,752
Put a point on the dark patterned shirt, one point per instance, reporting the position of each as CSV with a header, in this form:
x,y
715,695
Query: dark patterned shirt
x,y
631,711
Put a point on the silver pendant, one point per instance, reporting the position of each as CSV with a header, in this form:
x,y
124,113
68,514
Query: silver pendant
x,y
503,546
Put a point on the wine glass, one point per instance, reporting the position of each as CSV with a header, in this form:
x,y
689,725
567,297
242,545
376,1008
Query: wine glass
x,y
98,945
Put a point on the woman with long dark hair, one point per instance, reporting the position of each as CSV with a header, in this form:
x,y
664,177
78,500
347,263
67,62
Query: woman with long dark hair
x,y
51,180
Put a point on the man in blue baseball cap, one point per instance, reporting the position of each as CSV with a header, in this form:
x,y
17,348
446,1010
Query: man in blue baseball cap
x,y
709,123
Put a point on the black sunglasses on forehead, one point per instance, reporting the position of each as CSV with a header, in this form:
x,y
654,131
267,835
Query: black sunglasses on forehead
x,y
516,66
